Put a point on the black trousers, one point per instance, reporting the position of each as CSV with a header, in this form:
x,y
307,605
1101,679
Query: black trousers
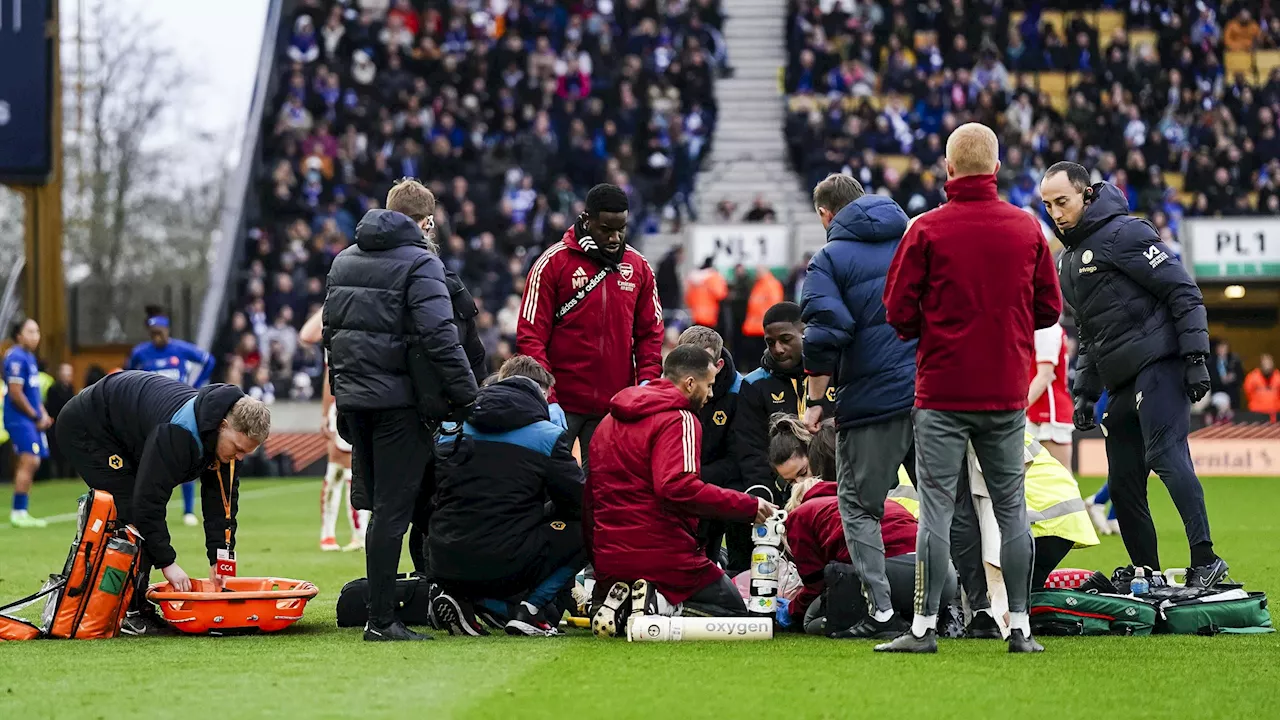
x,y
1146,425
582,428
392,451
736,539
1050,552
719,599
562,547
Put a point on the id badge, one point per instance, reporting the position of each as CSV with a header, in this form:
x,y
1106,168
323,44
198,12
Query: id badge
x,y
226,565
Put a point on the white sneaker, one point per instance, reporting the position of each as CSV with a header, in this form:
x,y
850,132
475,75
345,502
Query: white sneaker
x,y
355,544
329,544
190,520
1114,526
1098,514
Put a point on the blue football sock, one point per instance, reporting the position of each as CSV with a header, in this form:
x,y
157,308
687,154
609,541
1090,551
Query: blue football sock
x,y
497,607
1103,496
19,502
188,498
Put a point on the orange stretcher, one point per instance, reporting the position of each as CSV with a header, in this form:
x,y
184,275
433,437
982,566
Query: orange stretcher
x,y
262,604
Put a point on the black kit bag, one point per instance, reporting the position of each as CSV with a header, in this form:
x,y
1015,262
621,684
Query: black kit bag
x,y
413,601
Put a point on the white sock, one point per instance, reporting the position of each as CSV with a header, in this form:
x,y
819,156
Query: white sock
x,y
353,519
330,500
1020,621
923,623
882,615
363,518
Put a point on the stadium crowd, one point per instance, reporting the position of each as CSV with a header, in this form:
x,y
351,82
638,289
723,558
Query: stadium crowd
x,y
510,111
1159,98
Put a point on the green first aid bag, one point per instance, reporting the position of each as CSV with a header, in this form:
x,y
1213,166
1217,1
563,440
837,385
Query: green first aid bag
x,y
1070,612
1234,612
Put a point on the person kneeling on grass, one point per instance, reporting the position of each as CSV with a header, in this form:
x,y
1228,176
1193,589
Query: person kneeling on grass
x,y
139,435
505,538
645,495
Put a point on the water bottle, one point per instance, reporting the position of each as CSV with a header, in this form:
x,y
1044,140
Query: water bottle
x,y
1139,585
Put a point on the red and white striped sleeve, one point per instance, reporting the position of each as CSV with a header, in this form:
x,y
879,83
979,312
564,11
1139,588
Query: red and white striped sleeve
x,y
677,449
538,307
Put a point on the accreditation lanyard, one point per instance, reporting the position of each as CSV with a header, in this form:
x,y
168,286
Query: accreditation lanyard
x,y
226,560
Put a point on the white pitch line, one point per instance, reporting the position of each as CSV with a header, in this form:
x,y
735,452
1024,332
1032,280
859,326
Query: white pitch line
x,y
248,494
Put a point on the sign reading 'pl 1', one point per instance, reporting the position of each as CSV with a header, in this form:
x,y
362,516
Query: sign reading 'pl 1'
x,y
1233,248
26,93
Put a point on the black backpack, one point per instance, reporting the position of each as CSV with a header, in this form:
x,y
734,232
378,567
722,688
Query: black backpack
x,y
413,601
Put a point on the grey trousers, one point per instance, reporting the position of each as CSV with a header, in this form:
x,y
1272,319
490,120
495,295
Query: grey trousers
x,y
867,460
901,571
942,438
581,428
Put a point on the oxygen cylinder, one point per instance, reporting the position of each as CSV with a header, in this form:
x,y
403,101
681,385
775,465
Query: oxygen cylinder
x,y
766,565
657,628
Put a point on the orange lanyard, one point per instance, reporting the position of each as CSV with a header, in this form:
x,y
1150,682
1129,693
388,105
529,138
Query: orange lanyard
x,y
226,498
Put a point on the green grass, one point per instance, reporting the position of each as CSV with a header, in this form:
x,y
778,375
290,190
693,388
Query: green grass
x,y
315,670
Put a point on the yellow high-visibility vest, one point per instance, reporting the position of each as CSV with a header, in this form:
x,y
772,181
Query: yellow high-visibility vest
x,y
1054,504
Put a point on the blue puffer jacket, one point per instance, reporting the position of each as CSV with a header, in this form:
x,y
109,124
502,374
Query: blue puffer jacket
x,y
846,334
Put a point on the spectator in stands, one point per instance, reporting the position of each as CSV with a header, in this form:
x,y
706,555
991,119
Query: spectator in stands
x,y
1262,388
761,212
1226,375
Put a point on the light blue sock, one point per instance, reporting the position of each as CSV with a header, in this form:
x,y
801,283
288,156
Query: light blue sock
x,y
19,502
188,498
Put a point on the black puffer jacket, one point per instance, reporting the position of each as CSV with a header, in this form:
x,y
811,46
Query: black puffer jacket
x,y
1134,303
492,491
387,293
734,444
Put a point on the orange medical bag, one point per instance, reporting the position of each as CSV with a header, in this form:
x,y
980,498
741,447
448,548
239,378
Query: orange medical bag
x,y
90,598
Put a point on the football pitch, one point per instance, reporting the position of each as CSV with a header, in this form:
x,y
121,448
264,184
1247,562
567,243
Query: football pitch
x,y
315,670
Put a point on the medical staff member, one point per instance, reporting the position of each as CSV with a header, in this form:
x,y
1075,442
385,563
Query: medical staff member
x,y
177,360
24,418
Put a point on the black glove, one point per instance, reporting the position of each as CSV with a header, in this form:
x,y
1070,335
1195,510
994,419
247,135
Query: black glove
x,y
1083,415
461,414
1197,377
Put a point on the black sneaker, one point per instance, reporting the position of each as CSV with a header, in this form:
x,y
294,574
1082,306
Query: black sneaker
x,y
493,618
1022,643
395,632
456,616
909,643
983,627
869,629
531,621
1204,577
140,623
610,619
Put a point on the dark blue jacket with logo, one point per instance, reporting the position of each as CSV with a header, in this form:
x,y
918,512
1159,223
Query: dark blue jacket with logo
x,y
492,490
845,333
1134,302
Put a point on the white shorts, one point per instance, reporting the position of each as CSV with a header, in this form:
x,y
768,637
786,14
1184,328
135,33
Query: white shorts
x,y
342,445
1051,432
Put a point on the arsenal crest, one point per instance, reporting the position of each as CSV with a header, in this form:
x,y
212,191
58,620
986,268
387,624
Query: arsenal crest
x,y
626,270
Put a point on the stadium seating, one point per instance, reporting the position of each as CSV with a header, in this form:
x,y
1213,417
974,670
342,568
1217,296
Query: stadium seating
x,y
511,111
1169,61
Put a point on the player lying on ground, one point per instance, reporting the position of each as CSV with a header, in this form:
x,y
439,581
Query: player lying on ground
x,y
505,538
645,495
139,435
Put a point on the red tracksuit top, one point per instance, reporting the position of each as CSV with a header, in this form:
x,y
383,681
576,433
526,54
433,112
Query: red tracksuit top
x,y
973,279
644,494
610,341
815,536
